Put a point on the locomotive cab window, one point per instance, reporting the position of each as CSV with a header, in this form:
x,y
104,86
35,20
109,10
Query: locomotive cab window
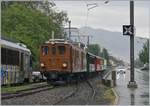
x,y
61,50
53,49
45,50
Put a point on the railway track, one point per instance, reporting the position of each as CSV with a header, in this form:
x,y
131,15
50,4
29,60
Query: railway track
x,y
89,99
92,96
67,96
44,86
35,89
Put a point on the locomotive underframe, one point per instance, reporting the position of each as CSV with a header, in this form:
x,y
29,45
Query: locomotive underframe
x,y
68,76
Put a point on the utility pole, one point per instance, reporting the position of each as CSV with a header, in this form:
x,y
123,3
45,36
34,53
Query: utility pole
x,y
53,35
87,36
69,29
132,83
88,41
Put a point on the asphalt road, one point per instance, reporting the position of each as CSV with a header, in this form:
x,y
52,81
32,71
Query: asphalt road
x,y
138,96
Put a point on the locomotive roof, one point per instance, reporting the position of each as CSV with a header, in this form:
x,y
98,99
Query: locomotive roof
x,y
63,41
58,40
66,41
95,55
13,45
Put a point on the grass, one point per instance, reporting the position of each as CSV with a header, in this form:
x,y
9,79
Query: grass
x,y
12,89
109,95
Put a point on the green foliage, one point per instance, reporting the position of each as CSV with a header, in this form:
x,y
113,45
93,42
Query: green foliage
x,y
13,89
95,49
144,53
105,55
27,24
138,63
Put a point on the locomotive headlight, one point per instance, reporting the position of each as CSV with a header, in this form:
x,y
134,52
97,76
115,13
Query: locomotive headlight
x,y
64,64
42,64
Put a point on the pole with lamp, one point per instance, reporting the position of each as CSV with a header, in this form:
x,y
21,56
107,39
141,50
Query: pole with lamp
x,y
89,7
69,29
132,82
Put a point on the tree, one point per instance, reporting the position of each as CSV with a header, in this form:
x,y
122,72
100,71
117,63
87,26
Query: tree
x,y
29,25
138,63
144,53
95,49
105,55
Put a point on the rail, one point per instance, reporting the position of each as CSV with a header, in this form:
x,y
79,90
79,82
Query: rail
x,y
93,92
67,96
28,91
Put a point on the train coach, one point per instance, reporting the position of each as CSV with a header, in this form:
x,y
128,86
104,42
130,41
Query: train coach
x,y
15,62
64,60
95,64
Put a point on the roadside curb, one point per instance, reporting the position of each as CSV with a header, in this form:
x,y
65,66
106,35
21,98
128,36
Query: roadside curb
x,y
116,95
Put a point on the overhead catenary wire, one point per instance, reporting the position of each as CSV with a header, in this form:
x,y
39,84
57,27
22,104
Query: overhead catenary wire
x,y
88,8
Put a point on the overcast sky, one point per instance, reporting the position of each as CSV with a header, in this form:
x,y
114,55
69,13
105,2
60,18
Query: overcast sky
x,y
110,16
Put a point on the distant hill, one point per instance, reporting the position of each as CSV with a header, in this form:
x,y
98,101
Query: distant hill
x,y
117,44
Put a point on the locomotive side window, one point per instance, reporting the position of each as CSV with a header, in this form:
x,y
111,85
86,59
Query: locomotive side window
x,y
45,50
62,50
53,50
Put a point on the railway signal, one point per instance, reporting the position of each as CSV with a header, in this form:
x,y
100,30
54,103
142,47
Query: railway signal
x,y
128,30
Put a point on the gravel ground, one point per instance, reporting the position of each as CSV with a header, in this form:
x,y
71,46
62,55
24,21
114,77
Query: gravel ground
x,y
42,98
50,97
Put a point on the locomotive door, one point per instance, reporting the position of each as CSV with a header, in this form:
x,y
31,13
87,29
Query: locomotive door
x,y
71,59
53,58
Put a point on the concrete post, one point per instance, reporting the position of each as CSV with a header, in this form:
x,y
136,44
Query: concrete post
x,y
113,77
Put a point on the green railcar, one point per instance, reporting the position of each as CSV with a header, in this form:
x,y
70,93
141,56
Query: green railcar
x,y
90,62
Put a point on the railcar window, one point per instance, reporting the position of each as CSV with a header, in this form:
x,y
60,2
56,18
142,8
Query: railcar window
x,y
16,58
3,55
45,50
10,57
22,62
53,50
62,50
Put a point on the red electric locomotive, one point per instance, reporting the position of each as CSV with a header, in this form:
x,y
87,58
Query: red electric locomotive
x,y
64,60
60,58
